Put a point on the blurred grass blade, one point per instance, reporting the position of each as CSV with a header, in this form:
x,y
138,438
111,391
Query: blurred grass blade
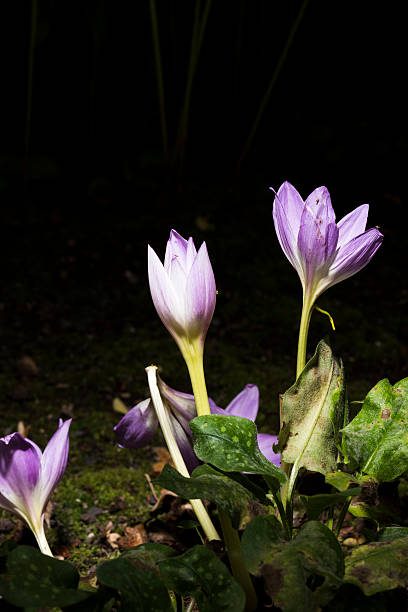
x,y
159,79
278,68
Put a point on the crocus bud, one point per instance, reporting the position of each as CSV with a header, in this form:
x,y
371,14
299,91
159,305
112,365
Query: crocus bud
x,y
183,289
322,251
28,477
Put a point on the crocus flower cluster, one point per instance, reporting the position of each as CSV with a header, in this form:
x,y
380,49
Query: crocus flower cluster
x,y
28,477
139,425
322,251
183,289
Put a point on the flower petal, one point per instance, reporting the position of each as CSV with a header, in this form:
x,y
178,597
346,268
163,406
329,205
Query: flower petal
x,y
54,460
356,254
320,206
183,404
353,224
184,444
20,469
245,404
287,212
138,426
265,443
200,294
317,245
176,248
169,306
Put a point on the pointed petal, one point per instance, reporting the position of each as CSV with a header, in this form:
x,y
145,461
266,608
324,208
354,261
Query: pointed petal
x,y
54,460
245,404
20,469
320,206
169,306
317,248
354,256
177,275
138,426
191,254
353,224
176,248
182,403
200,294
287,212
265,443
184,444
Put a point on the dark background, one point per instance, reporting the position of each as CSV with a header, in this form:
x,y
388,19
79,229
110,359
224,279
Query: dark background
x,y
85,185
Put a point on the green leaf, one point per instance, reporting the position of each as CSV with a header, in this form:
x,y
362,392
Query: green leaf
x,y
140,589
306,571
378,566
229,495
340,480
313,413
263,531
200,574
378,436
392,533
230,443
36,580
148,555
315,504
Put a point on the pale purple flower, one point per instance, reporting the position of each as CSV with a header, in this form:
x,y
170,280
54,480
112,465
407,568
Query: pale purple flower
x,y
139,425
183,289
28,476
322,251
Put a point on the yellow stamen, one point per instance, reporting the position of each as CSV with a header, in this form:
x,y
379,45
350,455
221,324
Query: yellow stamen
x,y
328,314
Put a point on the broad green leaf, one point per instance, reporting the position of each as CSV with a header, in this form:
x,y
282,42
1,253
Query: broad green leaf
x,y
148,555
262,532
393,533
230,496
378,436
304,573
37,580
230,443
200,574
315,504
313,413
140,589
378,566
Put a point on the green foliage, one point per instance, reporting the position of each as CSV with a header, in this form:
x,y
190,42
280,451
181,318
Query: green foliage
x,y
263,531
315,504
230,443
200,574
313,413
206,483
140,588
377,437
34,579
379,566
308,569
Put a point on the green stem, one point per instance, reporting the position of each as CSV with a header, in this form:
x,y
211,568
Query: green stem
x,y
239,570
175,453
194,358
342,516
303,332
283,514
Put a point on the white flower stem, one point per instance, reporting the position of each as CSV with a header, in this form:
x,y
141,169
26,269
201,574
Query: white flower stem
x,y
175,453
41,539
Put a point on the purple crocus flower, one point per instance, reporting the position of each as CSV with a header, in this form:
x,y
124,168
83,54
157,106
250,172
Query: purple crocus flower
x,y
28,477
139,425
183,289
322,251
